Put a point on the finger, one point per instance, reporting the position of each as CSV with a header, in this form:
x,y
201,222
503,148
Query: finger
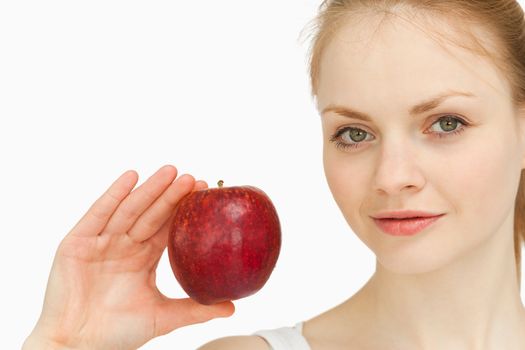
x,y
158,213
200,185
97,216
140,199
177,313
160,239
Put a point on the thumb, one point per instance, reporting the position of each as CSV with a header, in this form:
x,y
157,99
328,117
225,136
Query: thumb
x,y
177,313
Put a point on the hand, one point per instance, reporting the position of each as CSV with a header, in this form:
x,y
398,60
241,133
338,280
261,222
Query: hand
x,y
101,292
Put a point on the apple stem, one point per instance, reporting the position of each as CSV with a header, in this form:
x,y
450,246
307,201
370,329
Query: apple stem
x,y
220,183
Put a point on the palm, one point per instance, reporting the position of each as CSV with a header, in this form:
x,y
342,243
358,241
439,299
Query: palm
x,y
114,290
101,291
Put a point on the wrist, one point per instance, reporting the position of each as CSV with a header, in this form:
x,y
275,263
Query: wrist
x,y
34,342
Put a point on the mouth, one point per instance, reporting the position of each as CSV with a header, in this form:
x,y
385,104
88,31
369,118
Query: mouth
x,y
405,214
405,226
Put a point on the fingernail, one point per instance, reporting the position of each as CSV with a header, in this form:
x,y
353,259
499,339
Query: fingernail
x,y
168,166
189,176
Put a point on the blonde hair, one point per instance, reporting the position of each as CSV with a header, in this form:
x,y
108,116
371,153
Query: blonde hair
x,y
495,29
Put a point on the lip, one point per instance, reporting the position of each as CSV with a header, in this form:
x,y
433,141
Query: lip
x,y
401,214
405,227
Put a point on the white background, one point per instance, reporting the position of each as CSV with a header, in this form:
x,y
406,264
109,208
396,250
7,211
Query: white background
x,y
219,89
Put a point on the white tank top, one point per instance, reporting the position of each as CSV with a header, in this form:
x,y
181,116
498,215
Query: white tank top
x,y
285,338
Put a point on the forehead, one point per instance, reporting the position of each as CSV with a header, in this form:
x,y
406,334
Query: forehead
x,y
369,61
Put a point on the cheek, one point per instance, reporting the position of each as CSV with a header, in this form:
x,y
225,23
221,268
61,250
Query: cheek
x,y
348,180
484,186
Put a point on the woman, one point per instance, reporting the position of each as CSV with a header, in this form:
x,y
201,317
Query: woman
x,y
422,108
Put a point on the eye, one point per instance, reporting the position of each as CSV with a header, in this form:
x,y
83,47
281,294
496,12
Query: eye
x,y
450,124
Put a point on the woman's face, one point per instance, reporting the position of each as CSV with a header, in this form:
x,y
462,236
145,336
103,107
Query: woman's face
x,y
399,161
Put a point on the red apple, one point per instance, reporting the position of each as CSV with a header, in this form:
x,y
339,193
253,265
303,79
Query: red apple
x,y
224,242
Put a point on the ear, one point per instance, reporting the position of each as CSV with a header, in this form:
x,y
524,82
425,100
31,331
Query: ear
x,y
521,132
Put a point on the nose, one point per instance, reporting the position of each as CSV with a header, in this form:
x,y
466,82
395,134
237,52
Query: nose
x,y
398,168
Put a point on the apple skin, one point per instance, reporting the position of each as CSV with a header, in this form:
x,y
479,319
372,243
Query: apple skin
x,y
224,242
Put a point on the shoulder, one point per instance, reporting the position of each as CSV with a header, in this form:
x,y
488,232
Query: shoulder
x,y
239,342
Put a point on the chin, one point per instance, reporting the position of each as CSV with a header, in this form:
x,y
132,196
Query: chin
x,y
409,256
409,265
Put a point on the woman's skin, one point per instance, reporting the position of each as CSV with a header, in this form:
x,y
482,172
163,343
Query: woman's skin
x,y
101,292
454,285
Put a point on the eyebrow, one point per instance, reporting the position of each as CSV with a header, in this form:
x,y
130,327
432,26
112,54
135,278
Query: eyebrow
x,y
422,107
